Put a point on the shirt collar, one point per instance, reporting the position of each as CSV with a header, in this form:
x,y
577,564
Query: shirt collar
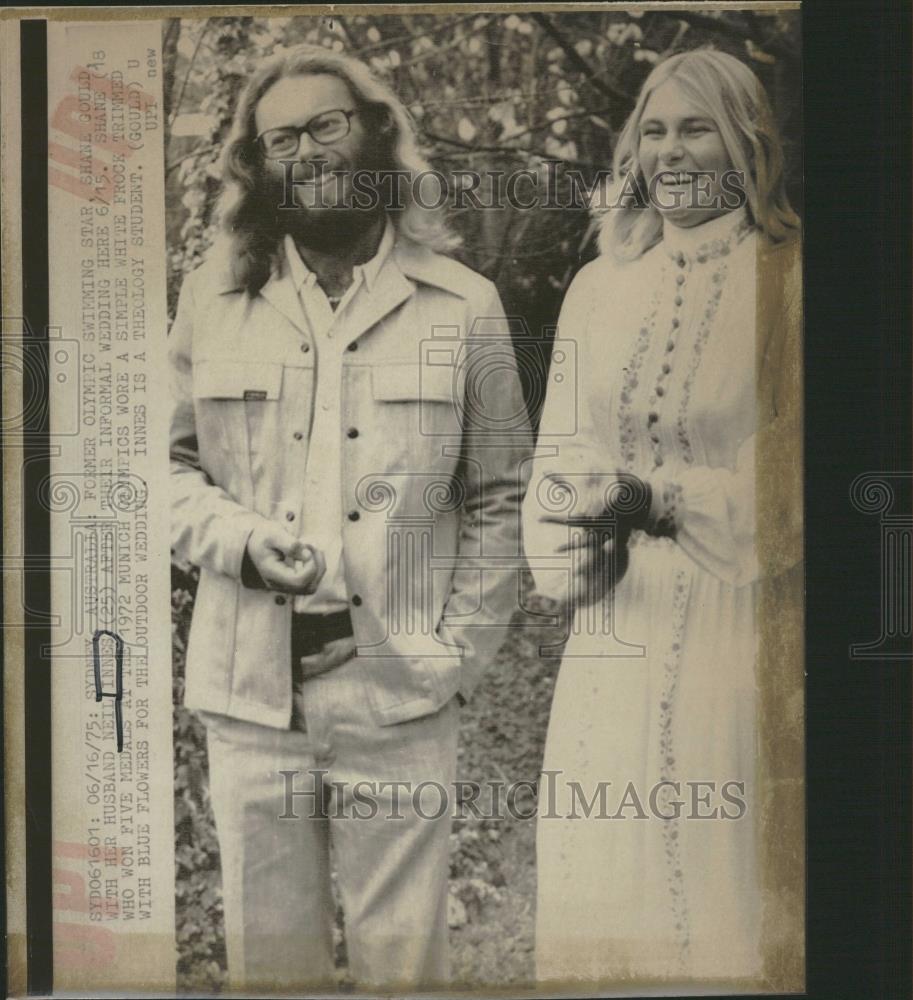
x,y
302,275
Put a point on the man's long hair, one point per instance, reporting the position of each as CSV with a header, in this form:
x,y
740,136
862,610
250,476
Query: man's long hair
x,y
734,98
250,219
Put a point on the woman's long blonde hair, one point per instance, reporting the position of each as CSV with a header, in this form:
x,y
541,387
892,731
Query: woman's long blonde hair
x,y
250,224
731,94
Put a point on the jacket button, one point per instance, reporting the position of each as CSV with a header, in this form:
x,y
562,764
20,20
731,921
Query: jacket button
x,y
352,432
353,346
280,600
354,515
305,348
297,435
289,516
356,600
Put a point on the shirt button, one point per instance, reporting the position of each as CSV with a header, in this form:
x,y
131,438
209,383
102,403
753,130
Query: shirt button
x,y
654,438
678,300
352,432
356,600
297,435
325,407
680,279
666,369
660,391
652,418
670,345
289,516
354,515
305,348
658,461
353,346
280,600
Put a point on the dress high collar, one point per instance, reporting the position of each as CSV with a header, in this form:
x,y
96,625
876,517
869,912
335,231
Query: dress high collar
x,y
708,240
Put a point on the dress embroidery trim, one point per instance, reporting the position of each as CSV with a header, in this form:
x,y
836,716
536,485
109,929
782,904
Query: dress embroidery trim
x,y
715,248
700,341
670,829
626,432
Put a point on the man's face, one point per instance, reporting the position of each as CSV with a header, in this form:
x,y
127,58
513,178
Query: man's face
x,y
323,173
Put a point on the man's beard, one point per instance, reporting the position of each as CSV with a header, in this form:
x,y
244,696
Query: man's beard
x,y
328,228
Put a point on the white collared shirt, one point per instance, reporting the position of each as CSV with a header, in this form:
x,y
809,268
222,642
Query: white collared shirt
x,y
322,508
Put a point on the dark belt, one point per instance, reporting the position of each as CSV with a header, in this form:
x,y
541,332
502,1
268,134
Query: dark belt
x,y
310,633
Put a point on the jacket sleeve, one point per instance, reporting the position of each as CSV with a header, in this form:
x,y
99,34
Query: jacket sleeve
x,y
208,527
745,523
496,446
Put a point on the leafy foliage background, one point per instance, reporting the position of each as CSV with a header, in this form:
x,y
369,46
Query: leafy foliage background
x,y
542,92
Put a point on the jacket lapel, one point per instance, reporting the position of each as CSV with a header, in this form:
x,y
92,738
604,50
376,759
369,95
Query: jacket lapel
x,y
281,294
391,289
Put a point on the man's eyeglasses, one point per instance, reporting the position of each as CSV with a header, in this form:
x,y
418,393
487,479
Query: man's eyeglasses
x,y
325,128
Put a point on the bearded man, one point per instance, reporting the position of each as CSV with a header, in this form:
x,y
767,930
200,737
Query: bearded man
x,y
348,441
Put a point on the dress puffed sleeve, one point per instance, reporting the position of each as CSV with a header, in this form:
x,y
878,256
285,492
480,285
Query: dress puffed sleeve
x,y
568,442
747,522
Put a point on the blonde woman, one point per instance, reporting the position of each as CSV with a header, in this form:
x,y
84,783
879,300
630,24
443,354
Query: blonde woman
x,y
687,329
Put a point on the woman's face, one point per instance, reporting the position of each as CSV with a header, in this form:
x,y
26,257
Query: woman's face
x,y
684,160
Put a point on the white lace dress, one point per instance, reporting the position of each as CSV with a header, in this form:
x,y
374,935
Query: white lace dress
x,y
665,707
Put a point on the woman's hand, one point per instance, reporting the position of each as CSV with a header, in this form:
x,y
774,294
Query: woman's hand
x,y
598,555
590,507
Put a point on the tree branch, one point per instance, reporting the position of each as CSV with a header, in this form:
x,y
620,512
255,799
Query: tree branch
x,y
177,104
722,26
579,63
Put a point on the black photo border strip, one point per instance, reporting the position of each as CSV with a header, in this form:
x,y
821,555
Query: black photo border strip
x,y
35,515
858,334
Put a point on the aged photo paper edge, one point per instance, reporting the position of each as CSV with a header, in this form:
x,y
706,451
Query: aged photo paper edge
x,y
14,652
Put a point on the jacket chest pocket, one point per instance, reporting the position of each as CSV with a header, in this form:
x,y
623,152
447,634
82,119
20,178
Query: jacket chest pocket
x,y
250,408
419,408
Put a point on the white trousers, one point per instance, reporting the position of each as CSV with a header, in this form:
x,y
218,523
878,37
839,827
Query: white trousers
x,y
354,786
